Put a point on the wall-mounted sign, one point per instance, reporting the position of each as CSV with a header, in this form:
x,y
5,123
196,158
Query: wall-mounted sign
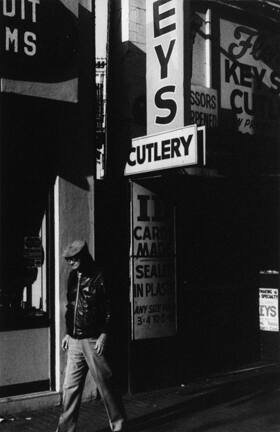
x,y
33,252
165,150
268,309
249,87
39,48
204,106
152,262
164,64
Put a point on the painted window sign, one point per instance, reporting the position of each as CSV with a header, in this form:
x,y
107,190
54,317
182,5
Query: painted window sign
x,y
153,290
165,74
250,86
268,309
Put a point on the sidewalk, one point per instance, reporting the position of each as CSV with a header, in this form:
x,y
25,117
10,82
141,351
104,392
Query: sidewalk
x,y
154,408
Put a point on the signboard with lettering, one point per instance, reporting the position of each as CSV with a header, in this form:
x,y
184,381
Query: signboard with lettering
x,y
268,309
165,65
165,150
33,252
249,86
204,106
153,290
39,48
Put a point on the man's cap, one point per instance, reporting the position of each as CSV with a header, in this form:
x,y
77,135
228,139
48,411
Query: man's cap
x,y
74,248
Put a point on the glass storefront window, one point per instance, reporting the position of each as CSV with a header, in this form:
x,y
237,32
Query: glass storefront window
x,y
27,306
34,296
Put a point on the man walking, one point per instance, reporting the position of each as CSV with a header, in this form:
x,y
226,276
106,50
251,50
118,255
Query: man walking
x,y
88,324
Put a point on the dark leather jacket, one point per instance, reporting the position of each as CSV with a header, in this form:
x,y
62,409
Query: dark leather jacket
x,y
88,309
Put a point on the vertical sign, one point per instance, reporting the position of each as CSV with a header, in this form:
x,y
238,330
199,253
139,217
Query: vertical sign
x,y
153,290
165,65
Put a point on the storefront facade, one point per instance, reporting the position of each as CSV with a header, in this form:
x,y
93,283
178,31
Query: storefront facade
x,y
185,221
199,220
47,187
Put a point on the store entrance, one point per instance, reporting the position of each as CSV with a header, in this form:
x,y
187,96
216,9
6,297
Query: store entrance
x,y
218,292
217,285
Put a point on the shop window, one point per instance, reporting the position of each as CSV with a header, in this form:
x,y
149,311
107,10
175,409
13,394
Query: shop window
x,y
26,304
34,295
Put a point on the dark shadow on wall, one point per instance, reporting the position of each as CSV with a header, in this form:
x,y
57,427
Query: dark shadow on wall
x,y
40,140
126,105
126,110
253,155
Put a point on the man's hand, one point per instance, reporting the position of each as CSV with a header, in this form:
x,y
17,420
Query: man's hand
x,y
101,343
65,343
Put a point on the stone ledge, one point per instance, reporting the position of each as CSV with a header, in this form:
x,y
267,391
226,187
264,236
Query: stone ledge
x,y
28,402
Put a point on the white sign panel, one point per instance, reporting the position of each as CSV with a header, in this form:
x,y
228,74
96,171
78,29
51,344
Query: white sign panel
x,y
249,87
165,65
204,106
153,290
268,309
162,151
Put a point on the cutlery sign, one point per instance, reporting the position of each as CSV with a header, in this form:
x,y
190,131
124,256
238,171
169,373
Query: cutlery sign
x,y
170,149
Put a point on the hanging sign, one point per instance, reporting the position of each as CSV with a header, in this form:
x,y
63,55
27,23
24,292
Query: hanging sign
x,y
164,65
162,151
152,261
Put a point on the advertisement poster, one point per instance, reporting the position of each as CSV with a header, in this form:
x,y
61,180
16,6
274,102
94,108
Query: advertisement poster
x,y
268,309
250,85
153,260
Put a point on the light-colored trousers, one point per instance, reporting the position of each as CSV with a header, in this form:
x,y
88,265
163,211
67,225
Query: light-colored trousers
x,y
82,357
